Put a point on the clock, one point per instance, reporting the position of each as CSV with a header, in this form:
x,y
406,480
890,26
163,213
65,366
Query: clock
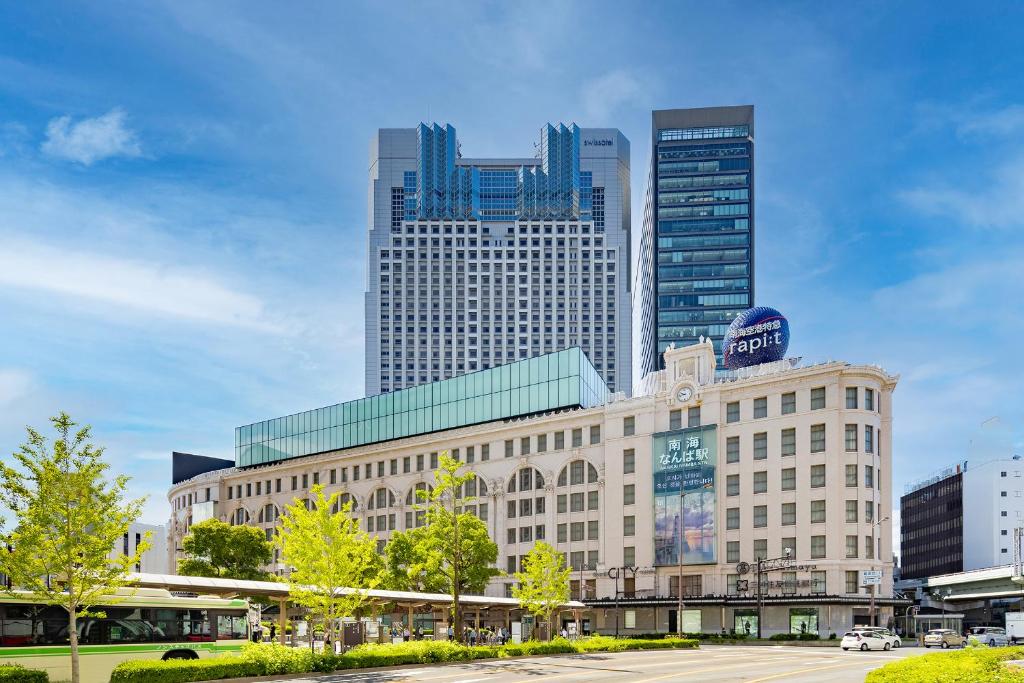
x,y
684,394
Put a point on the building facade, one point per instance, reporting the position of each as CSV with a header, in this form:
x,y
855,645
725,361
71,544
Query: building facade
x,y
962,519
695,270
474,263
699,476
155,558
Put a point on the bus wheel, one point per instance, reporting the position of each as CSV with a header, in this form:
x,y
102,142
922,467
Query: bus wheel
x,y
180,654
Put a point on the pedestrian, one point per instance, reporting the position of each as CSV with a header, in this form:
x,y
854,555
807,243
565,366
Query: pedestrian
x,y
273,632
565,633
451,633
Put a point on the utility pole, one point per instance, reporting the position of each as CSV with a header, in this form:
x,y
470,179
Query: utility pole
x,y
679,588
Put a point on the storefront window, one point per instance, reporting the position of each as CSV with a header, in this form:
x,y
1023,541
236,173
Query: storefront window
x,y
803,620
745,621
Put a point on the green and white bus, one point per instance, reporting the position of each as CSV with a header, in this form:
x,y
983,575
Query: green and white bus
x,y
145,623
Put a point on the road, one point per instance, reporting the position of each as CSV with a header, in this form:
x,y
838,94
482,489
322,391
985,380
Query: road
x,y
725,663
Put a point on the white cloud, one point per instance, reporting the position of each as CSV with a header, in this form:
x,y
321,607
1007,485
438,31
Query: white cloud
x,y
14,385
998,203
1001,122
91,140
602,96
152,287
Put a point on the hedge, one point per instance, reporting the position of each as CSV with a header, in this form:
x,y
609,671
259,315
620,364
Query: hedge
x,y
795,636
15,673
272,658
972,665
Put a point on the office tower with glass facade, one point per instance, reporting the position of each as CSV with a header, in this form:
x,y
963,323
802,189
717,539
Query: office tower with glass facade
x,y
475,263
695,271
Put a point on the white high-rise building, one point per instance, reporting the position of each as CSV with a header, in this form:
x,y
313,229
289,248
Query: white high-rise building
x,y
475,263
155,559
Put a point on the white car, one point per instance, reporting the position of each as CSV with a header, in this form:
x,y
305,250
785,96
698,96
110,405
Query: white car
x,y
990,635
894,640
864,640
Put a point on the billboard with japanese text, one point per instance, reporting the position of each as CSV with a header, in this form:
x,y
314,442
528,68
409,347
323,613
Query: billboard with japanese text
x,y
684,495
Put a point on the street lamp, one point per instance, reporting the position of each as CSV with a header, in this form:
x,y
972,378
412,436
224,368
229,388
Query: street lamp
x,y
871,609
679,553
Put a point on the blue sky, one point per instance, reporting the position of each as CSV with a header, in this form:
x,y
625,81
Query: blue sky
x,y
183,192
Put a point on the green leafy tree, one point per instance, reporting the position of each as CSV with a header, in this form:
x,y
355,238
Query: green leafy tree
x,y
452,553
333,561
68,516
543,584
215,548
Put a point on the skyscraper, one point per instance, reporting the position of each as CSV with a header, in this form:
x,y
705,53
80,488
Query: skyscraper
x,y
475,263
695,270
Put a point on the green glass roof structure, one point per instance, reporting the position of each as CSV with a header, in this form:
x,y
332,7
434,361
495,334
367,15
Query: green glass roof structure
x,y
564,379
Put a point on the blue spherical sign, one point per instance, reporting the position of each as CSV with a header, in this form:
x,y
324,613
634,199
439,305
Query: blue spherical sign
x,y
757,335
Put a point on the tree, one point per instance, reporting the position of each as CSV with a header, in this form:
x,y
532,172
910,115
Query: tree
x,y
215,548
333,561
68,517
543,584
452,553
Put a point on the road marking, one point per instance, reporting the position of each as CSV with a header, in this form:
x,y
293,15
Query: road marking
x,y
800,671
706,670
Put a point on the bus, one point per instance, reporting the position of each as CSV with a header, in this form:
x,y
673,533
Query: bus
x,y
144,623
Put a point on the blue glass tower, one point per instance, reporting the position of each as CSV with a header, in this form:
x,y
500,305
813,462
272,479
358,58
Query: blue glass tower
x,y
696,263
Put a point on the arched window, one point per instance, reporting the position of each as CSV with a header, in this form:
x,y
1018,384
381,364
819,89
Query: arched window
x,y
240,516
412,497
340,503
573,473
525,479
268,514
381,499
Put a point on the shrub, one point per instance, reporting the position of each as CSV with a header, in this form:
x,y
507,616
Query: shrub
x,y
977,665
273,659
15,673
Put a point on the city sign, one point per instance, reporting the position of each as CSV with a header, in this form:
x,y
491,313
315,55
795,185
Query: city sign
x,y
871,577
684,495
598,143
757,335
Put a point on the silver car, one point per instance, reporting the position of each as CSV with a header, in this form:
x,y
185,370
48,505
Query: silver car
x,y
990,635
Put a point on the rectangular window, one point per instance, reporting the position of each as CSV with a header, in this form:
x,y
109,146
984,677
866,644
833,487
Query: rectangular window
x,y
761,446
485,452
788,437
524,446
510,535
760,548
869,399
628,426
576,502
394,463
576,531
732,485
629,525
542,443
732,449
869,547
510,564
539,532
538,506
407,464
851,438
592,530
629,556
851,582
732,518
563,533
761,481
851,398
277,482
760,516
817,438
789,403
628,494
525,534
433,461
526,507
509,448
851,511
817,476
591,500
817,547
355,473
789,479
595,434
693,416
788,583
732,412
851,475
470,455
628,461
869,476
818,582
817,512
869,439
788,514
760,407
675,419
817,398
380,470
295,484
559,440
562,503
511,509
851,546
732,551
869,512
577,438
419,463
788,544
